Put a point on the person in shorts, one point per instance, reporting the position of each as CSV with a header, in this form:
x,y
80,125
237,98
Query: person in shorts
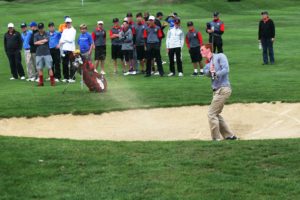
x,y
116,44
194,41
99,37
85,42
126,37
43,55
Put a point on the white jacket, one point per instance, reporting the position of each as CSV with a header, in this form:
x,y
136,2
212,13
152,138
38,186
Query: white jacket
x,y
67,39
175,38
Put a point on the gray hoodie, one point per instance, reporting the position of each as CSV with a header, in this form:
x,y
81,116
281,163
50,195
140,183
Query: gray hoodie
x,y
126,38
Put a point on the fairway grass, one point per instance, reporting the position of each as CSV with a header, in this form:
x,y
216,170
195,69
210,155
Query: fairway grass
x,y
65,169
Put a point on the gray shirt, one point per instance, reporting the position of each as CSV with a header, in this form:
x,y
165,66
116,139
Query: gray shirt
x,y
222,71
127,39
42,50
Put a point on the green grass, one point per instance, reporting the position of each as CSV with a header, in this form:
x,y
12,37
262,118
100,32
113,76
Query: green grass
x,y
251,81
64,169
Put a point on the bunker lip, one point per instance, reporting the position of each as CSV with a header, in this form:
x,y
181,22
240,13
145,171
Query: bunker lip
x,y
248,121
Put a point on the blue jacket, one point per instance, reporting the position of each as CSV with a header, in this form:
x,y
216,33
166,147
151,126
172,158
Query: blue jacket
x,y
54,39
26,38
222,71
85,41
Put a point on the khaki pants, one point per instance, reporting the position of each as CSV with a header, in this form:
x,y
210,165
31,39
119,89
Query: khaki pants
x,y
30,64
217,123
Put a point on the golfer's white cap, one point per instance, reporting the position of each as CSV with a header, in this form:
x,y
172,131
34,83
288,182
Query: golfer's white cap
x,y
10,25
151,18
68,19
100,22
125,19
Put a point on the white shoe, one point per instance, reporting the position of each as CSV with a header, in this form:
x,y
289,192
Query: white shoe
x,y
180,74
56,80
36,80
103,72
163,62
126,73
71,81
29,79
64,80
171,74
23,78
156,74
12,78
48,79
132,73
32,79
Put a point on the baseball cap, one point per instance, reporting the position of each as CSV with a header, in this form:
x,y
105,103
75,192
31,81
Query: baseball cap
x,y
50,24
115,20
100,22
41,25
23,25
10,25
216,14
125,19
264,13
177,21
190,23
68,20
129,14
158,14
151,18
139,14
32,24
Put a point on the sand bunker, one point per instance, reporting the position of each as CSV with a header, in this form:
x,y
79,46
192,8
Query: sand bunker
x,y
248,121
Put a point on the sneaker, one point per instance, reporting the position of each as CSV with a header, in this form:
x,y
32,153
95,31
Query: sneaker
x,y
32,79
102,72
132,73
56,80
180,74
195,74
156,74
71,81
171,74
231,138
23,78
12,78
48,79
64,81
37,80
164,62
126,73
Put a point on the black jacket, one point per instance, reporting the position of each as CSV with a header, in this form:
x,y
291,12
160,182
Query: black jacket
x,y
12,42
266,29
31,42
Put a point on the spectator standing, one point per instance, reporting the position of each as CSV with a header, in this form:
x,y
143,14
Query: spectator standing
x,y
99,37
13,46
116,44
215,29
266,37
194,41
54,37
26,35
34,29
152,36
85,42
43,55
67,44
126,37
140,41
174,44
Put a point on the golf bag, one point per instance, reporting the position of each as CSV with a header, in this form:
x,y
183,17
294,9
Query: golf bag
x,y
92,79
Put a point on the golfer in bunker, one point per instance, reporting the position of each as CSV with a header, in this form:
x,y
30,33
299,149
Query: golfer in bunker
x,y
217,68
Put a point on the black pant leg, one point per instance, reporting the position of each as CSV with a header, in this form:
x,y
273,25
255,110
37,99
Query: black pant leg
x,y
178,59
66,61
12,65
171,60
149,59
158,60
18,61
55,53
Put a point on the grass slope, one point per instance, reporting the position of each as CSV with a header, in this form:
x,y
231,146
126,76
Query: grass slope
x,y
64,169
251,81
